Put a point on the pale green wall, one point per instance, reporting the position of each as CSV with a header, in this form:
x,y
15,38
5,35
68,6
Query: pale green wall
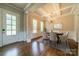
x,y
16,11
21,24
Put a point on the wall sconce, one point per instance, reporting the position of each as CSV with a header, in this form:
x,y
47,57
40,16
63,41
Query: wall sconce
x,y
51,25
51,21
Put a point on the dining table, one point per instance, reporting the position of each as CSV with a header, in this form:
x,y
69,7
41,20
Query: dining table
x,y
58,37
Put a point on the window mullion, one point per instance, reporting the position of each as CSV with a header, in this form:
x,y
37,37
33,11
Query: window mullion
x,y
11,24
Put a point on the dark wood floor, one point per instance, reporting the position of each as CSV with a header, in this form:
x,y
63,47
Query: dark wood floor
x,y
35,48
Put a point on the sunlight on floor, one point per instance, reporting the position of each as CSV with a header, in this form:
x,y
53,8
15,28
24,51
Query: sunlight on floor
x,y
12,52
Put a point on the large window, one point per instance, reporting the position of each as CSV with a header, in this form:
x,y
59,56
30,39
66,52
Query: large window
x,y
42,26
34,26
10,24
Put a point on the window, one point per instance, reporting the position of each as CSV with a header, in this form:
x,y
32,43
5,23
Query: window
x,y
10,24
42,26
34,26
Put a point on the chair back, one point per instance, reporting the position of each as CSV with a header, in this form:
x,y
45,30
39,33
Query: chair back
x,y
53,36
66,34
64,37
45,36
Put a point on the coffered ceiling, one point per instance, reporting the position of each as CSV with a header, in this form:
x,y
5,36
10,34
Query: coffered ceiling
x,y
49,9
21,5
27,6
54,10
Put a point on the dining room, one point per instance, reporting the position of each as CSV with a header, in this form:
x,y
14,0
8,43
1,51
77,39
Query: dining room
x,y
39,29
58,27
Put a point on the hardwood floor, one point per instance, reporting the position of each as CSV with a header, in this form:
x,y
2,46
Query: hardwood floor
x,y
35,48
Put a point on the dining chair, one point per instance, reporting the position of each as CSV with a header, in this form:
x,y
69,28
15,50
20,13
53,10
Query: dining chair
x,y
64,39
45,37
53,39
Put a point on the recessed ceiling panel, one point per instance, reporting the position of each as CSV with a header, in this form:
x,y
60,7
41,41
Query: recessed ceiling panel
x,y
66,11
21,5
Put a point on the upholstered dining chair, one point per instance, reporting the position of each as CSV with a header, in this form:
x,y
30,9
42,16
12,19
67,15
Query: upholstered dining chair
x,y
45,37
64,41
53,39
64,36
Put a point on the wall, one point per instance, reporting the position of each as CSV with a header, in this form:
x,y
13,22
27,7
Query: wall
x,y
77,26
4,6
68,25
29,26
20,36
0,30
66,21
77,29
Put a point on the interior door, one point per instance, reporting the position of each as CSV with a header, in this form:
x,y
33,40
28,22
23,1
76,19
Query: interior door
x,y
10,29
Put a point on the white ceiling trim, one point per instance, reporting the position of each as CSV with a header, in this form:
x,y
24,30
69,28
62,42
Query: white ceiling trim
x,y
62,9
76,9
27,6
60,16
72,8
43,12
11,5
58,11
46,14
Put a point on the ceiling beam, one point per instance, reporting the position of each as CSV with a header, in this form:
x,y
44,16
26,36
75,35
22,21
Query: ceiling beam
x,y
28,5
13,6
62,15
73,8
62,9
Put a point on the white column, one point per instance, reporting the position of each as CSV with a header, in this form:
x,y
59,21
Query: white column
x,y
77,30
27,29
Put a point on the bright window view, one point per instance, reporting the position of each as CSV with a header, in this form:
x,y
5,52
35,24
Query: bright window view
x,y
42,26
34,26
10,24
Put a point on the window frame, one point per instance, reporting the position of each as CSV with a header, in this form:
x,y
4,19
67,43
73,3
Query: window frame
x,y
41,26
34,25
11,24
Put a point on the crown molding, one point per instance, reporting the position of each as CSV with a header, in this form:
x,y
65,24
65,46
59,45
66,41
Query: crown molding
x,y
14,7
27,6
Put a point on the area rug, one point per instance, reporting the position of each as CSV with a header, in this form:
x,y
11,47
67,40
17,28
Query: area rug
x,y
63,46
